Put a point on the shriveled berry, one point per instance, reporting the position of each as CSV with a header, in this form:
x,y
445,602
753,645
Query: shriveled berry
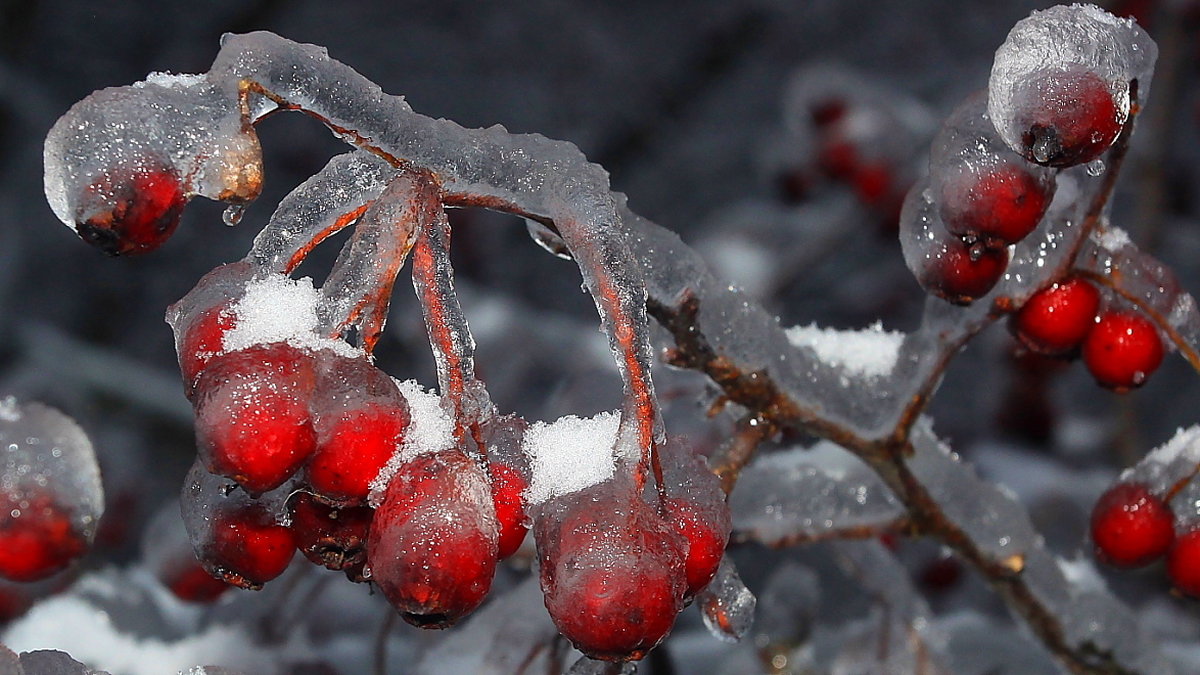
x,y
145,205
1131,526
705,541
248,547
356,445
432,546
335,538
1072,119
1056,319
37,539
252,417
1183,563
998,206
507,486
1122,350
962,274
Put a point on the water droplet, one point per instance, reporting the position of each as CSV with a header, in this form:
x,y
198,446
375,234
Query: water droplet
x,y
233,215
1095,167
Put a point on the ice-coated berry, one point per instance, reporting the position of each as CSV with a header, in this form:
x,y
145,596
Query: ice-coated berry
x,y
252,415
962,274
357,444
37,539
203,340
998,206
190,582
432,545
705,541
1131,526
1122,350
507,486
247,547
335,538
1183,563
1056,319
1071,118
144,206
612,574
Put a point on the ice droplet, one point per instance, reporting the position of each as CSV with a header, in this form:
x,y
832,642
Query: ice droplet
x,y
726,605
233,215
1095,167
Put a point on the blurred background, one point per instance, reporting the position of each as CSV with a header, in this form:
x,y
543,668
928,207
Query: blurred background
x,y
707,114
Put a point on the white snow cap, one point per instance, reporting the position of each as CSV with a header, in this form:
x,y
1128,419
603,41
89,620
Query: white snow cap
x,y
280,309
569,454
430,430
870,352
1184,444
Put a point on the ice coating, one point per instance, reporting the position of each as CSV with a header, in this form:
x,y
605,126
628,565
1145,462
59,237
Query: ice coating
x,y
46,455
870,352
569,454
1066,39
319,207
430,430
529,175
726,605
806,494
1164,466
218,157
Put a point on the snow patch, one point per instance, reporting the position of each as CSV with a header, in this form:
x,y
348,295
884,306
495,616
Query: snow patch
x,y
430,430
871,352
569,454
280,309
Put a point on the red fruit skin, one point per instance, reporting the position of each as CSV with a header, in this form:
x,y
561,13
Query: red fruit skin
x,y
1075,121
999,206
432,546
335,538
190,582
148,206
1122,350
40,541
507,486
252,418
357,444
612,575
1056,319
203,341
960,275
705,541
1183,563
247,547
1131,526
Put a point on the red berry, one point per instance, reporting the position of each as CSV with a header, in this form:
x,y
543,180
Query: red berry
x,y
1131,526
826,112
612,574
839,158
1073,120
247,547
1056,319
204,340
507,486
252,418
432,546
1183,563
358,443
143,209
37,539
335,538
961,274
872,182
998,206
1122,350
190,582
705,541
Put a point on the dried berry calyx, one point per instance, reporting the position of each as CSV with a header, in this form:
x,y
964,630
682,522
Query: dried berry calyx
x,y
1074,121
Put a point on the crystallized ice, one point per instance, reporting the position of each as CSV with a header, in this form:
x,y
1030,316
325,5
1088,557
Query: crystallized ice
x,y
1057,65
727,606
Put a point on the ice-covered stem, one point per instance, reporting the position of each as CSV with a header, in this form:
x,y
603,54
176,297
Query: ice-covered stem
x,y
449,334
528,175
